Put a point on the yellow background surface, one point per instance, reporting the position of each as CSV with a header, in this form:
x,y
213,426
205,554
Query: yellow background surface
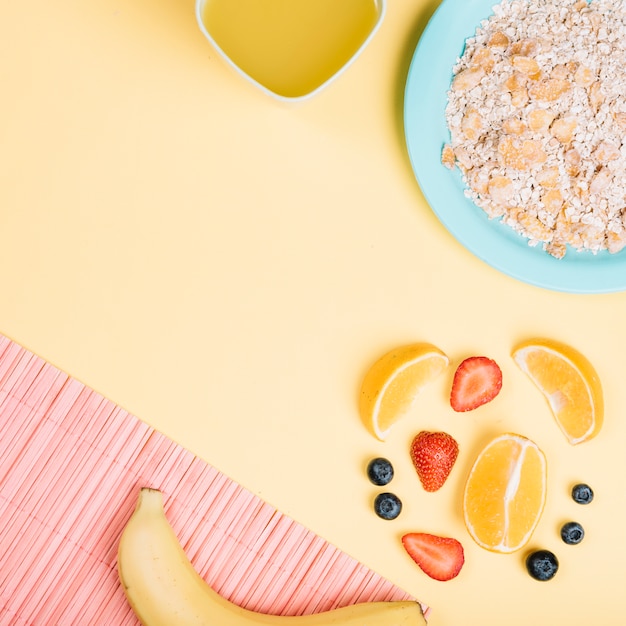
x,y
226,267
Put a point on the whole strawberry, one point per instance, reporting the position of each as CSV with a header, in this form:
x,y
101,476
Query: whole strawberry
x,y
433,455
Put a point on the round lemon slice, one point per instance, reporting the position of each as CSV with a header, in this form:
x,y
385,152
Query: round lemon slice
x,y
394,381
569,383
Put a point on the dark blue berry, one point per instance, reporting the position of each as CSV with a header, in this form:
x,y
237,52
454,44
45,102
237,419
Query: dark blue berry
x,y
572,533
380,471
583,494
542,564
387,505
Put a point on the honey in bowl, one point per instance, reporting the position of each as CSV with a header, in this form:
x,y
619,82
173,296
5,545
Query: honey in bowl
x,y
290,47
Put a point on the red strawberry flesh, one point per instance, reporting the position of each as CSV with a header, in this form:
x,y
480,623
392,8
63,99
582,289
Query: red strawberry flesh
x,y
477,380
433,455
440,558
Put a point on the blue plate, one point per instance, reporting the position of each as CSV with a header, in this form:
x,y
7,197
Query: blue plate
x,y
426,133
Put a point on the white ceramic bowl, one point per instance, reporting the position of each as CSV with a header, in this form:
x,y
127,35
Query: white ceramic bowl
x,y
340,51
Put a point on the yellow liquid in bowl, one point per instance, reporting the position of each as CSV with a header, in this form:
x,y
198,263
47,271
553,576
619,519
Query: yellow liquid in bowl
x,y
291,47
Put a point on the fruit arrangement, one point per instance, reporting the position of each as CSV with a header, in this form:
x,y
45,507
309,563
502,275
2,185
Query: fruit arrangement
x,y
506,489
503,499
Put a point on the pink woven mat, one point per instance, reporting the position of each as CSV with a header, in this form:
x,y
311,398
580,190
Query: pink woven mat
x,y
71,464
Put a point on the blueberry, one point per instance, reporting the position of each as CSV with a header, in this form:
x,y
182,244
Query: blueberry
x,y
387,505
583,494
572,533
380,471
542,564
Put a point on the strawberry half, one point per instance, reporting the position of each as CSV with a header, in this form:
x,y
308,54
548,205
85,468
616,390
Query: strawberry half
x,y
433,455
477,380
440,557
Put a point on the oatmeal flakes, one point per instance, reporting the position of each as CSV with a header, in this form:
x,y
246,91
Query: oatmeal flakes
x,y
464,158
606,151
484,58
563,129
468,78
519,97
535,228
447,156
521,155
564,70
596,97
549,89
498,41
525,47
556,248
548,177
616,241
472,124
552,201
501,189
584,76
540,119
526,65
600,181
572,161
515,81
537,112
513,126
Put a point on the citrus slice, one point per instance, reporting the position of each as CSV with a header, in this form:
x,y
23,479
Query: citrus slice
x,y
394,381
569,383
505,493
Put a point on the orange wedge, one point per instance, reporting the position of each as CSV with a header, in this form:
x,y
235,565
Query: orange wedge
x,y
394,381
505,493
569,383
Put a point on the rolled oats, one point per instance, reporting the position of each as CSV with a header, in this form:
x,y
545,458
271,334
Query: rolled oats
x,y
537,115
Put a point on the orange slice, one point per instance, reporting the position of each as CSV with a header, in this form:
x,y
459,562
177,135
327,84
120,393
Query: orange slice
x,y
394,381
569,383
505,493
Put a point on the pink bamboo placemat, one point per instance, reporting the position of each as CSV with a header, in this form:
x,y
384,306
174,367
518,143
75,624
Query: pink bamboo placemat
x,y
71,463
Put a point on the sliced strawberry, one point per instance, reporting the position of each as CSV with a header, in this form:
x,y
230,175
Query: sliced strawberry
x,y
440,557
477,380
433,455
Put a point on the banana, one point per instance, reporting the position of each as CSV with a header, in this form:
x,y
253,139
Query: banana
x,y
163,588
